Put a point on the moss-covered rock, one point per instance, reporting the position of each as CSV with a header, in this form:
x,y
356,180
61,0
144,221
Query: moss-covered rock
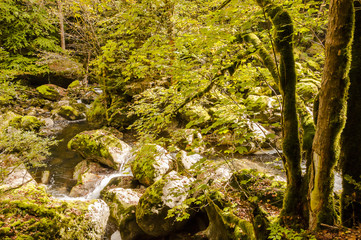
x,y
153,206
151,162
96,114
122,204
27,123
265,108
49,91
29,211
70,113
74,84
102,146
186,161
196,114
307,89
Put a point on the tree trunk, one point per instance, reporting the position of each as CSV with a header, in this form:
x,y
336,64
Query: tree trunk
x,y
61,24
331,114
351,135
293,203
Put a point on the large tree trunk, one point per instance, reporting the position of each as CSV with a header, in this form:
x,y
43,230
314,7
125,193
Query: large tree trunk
x,y
351,136
293,203
331,114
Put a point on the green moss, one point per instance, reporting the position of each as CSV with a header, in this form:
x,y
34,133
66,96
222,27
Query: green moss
x,y
143,164
69,113
307,91
257,103
196,114
96,145
48,92
30,213
27,123
74,84
151,212
96,114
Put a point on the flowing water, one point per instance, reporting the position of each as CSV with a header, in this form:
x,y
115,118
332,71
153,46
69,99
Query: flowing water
x,y
62,161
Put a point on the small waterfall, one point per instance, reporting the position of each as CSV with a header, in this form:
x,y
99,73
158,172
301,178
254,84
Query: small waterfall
x,y
96,192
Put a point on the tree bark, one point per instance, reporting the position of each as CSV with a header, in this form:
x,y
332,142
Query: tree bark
x,y
331,114
351,135
293,203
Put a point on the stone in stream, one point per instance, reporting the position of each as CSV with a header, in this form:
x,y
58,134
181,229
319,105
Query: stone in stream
x,y
70,113
122,204
150,163
153,206
45,178
88,175
102,146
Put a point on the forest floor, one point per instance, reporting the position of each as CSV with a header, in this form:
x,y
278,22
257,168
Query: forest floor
x,y
341,233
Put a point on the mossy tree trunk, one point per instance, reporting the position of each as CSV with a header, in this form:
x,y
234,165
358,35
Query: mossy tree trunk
x,y
331,114
351,135
293,204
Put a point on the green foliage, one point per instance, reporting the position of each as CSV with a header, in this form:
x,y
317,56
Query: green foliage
x,y
278,232
26,29
30,213
352,181
29,147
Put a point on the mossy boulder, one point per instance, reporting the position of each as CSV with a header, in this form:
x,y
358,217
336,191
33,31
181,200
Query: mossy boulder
x,y
74,84
27,123
186,161
196,114
151,162
30,213
307,89
49,91
6,118
122,204
102,146
264,108
257,103
70,113
96,114
153,206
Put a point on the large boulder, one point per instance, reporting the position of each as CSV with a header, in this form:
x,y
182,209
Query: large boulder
x,y
30,213
122,203
102,146
15,177
153,206
50,92
151,162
